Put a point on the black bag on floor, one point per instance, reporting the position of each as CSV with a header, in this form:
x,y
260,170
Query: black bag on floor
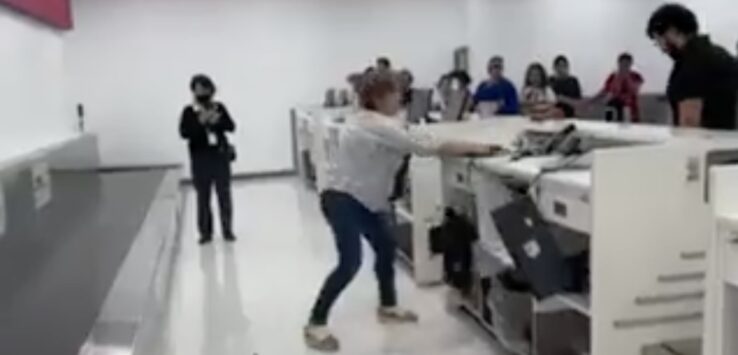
x,y
454,239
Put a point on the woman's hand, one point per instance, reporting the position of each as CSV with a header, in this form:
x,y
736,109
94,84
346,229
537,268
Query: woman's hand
x,y
203,116
487,150
215,116
209,116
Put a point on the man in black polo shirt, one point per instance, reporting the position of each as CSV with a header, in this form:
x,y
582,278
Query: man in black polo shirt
x,y
703,86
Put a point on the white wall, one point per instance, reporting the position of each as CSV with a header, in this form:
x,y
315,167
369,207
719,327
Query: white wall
x,y
130,61
31,85
590,32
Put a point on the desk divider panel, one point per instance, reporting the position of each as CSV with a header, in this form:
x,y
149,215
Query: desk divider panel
x,y
648,212
723,194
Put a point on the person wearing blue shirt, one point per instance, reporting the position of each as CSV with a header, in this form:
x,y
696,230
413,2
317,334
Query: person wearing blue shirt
x,y
496,95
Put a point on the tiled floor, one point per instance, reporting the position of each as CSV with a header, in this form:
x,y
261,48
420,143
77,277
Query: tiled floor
x,y
253,297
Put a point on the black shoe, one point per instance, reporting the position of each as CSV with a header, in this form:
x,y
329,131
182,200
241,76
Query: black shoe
x,y
230,237
204,240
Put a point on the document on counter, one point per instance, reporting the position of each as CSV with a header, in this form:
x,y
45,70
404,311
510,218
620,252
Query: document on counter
x,y
41,180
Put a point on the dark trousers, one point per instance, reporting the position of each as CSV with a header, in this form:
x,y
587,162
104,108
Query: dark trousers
x,y
615,111
349,220
212,170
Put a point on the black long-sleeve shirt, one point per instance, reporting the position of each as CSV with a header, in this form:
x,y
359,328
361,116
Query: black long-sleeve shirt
x,y
196,133
568,87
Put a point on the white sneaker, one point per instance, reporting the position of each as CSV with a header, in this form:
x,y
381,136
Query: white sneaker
x,y
320,338
396,315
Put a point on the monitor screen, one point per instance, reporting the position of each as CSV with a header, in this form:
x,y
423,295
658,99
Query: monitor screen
x,y
420,105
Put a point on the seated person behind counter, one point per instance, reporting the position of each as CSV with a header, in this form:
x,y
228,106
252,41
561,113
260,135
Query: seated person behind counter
x,y
621,91
566,87
454,81
537,99
406,79
497,95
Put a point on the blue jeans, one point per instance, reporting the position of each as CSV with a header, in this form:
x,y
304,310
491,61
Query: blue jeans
x,y
349,220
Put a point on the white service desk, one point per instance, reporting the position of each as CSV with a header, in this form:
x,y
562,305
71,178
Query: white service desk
x,y
644,209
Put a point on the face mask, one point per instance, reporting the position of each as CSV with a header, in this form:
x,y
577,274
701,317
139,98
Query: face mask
x,y
203,99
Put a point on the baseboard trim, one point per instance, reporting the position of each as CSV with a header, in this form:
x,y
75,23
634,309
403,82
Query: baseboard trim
x,y
123,169
265,175
188,181
243,177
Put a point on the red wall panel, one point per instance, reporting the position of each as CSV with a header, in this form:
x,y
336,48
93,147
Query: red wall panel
x,y
57,13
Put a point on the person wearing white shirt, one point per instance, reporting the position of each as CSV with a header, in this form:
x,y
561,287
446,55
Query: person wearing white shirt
x,y
356,202
537,99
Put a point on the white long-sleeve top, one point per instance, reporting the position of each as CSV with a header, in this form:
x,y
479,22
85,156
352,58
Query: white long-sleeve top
x,y
371,149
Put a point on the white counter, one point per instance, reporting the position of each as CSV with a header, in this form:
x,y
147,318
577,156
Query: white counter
x,y
14,151
647,207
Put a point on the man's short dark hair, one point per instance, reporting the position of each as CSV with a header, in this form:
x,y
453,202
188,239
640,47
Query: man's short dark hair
x,y
461,75
672,16
202,80
625,57
384,61
561,59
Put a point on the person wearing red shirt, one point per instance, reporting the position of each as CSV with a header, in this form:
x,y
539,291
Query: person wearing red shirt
x,y
621,91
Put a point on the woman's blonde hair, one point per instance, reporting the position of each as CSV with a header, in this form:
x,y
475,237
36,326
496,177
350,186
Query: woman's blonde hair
x,y
375,85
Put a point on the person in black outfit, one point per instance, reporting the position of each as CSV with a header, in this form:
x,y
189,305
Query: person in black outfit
x,y
703,86
565,86
406,81
204,124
